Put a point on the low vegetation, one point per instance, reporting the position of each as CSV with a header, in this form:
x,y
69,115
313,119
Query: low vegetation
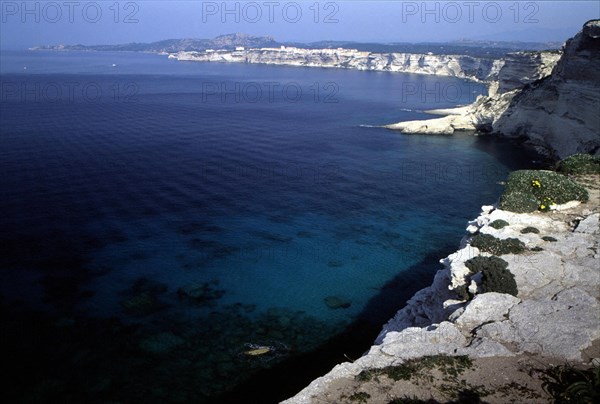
x,y
530,229
531,190
567,384
416,368
496,276
447,370
499,224
496,246
579,164
360,397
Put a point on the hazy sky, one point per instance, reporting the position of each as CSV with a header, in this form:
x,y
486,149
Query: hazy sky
x,y
25,24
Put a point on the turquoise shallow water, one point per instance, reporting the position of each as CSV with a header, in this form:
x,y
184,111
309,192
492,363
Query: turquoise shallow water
x,y
192,216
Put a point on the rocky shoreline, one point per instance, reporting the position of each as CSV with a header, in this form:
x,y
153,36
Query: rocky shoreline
x,y
462,66
545,264
538,98
553,318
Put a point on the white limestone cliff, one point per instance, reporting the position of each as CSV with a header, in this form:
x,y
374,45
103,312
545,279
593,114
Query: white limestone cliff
x,y
472,68
553,316
518,70
550,101
560,115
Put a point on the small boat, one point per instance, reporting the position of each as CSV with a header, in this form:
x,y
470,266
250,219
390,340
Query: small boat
x,y
114,65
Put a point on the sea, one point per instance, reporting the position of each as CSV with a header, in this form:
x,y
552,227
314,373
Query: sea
x,y
197,232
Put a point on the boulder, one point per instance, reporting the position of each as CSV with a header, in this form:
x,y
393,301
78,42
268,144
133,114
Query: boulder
x,y
484,308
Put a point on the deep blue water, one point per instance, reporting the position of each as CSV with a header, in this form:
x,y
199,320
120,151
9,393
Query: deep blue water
x,y
203,209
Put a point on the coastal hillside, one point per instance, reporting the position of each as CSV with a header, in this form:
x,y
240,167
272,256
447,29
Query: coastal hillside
x,y
468,67
560,115
549,101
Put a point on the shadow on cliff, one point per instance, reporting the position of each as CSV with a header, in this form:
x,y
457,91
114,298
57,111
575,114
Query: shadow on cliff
x,y
275,384
557,115
512,152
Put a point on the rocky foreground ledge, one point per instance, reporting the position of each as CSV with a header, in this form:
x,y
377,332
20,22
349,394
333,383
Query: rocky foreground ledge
x,y
441,345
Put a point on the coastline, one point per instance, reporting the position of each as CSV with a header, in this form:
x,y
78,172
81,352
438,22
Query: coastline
x,y
537,98
481,70
551,320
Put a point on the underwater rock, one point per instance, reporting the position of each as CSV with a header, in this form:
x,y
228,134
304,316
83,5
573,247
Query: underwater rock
x,y
161,343
141,298
201,293
145,285
335,264
142,304
336,302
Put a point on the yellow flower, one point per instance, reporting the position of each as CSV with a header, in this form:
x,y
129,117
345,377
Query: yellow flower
x,y
542,206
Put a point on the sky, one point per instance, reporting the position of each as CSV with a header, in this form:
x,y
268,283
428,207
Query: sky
x,y
25,24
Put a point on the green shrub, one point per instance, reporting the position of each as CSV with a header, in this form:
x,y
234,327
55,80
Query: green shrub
x,y
496,276
518,202
530,229
463,292
580,164
499,280
360,397
414,368
481,264
496,246
567,384
537,249
528,190
498,224
549,238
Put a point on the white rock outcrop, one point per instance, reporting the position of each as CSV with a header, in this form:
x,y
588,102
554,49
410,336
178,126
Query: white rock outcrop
x,y
547,99
518,70
468,67
554,315
560,115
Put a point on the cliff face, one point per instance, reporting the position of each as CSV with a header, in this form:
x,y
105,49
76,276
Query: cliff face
x,y
553,315
480,69
522,68
550,101
516,71
560,115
